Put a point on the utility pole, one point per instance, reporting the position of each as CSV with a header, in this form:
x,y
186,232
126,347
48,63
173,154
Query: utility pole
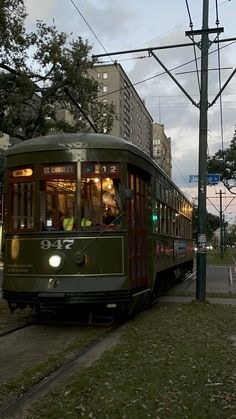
x,y
202,160
202,157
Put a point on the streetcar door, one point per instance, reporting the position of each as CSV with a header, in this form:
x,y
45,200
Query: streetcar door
x,y
137,230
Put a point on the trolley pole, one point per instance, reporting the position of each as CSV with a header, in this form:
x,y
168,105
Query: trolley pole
x,y
202,160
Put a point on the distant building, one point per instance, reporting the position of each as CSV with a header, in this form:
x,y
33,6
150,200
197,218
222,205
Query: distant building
x,y
4,140
162,148
133,121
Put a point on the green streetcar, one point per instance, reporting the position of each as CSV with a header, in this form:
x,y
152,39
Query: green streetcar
x,y
90,220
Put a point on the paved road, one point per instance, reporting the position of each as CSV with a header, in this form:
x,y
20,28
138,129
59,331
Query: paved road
x,y
217,281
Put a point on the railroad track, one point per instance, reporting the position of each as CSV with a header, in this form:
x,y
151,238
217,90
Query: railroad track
x,y
11,322
11,329
90,320
189,279
84,357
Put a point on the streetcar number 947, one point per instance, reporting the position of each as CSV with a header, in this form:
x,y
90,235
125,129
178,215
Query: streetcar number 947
x,y
57,244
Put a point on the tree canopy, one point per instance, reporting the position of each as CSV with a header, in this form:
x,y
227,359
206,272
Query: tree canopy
x,y
223,162
213,223
37,70
231,235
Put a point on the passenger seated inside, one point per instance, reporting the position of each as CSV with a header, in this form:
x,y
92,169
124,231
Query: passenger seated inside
x,y
108,216
85,222
111,214
68,223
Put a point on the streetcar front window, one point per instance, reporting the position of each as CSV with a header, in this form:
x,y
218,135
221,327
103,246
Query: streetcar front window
x,y
100,202
58,204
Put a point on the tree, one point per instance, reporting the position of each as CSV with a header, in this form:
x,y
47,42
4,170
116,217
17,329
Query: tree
x,y
223,162
13,41
213,223
231,235
37,71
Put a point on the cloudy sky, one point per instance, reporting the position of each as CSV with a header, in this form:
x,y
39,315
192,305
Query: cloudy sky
x,y
133,24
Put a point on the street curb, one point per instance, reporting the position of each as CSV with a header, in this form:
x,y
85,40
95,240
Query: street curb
x,y
182,299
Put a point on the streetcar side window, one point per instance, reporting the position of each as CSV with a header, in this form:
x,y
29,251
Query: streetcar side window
x,y
23,206
21,199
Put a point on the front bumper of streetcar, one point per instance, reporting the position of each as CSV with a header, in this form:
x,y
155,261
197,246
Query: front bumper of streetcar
x,y
60,299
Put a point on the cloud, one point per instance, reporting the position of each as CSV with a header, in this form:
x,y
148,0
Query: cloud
x,y
100,22
41,9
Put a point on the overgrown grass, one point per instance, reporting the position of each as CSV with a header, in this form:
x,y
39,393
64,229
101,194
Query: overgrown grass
x,y
177,361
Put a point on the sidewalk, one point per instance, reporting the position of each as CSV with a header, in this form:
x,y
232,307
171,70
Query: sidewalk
x,y
219,280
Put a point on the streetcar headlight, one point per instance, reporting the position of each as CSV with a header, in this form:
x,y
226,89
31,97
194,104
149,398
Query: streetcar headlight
x,y
55,261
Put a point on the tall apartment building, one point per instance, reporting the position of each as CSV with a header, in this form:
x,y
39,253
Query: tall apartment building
x,y
133,121
162,148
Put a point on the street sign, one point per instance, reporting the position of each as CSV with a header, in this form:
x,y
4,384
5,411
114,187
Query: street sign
x,y
193,178
212,179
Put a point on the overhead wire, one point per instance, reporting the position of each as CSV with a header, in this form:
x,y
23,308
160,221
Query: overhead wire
x,y
89,26
163,72
115,61
194,46
95,35
100,43
179,26
220,86
131,85
220,96
182,176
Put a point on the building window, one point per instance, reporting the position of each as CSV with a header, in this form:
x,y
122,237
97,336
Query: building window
x,y
104,75
105,89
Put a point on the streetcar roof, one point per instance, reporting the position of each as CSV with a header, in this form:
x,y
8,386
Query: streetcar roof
x,y
68,141
73,141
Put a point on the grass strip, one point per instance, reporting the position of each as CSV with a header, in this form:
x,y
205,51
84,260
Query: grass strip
x,y
176,361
